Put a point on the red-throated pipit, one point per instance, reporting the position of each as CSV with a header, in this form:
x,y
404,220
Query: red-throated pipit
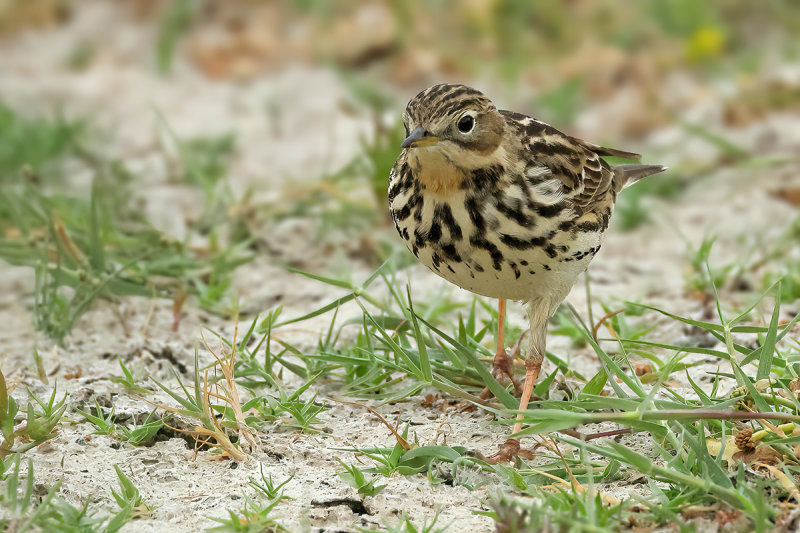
x,y
503,205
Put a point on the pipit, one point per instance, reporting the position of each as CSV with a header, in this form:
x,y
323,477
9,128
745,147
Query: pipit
x,y
503,205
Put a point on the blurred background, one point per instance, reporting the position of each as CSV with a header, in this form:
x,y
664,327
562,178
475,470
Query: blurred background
x,y
154,147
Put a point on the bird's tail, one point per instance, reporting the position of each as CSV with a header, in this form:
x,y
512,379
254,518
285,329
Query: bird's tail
x,y
625,175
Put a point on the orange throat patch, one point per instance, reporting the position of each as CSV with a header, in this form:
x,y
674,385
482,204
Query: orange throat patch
x,y
435,171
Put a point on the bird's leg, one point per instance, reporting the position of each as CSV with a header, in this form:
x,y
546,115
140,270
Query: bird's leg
x,y
501,328
538,315
533,364
503,364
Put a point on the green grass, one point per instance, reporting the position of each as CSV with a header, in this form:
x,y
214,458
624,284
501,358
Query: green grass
x,y
398,352
354,476
252,517
406,525
256,515
24,511
81,245
137,434
129,379
402,347
36,143
40,420
175,20
84,247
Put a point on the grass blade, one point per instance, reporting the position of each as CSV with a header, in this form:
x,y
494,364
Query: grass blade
x,y
768,347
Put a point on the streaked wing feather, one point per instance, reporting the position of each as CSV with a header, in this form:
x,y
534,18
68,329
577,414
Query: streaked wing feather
x,y
574,162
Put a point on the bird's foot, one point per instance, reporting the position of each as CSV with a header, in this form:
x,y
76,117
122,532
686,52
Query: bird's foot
x,y
508,451
503,365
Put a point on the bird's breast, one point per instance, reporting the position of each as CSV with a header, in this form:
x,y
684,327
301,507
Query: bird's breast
x,y
435,171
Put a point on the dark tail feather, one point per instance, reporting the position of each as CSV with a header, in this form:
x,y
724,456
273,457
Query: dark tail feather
x,y
626,175
611,152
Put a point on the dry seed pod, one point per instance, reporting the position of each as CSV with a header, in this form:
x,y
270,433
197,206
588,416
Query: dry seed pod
x,y
743,441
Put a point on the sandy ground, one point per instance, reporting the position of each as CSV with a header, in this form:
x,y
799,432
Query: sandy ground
x,y
120,94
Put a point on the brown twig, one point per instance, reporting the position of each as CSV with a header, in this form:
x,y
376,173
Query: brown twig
x,y
605,317
611,433
591,436
403,442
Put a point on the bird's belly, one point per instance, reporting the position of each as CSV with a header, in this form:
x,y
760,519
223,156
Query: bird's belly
x,y
520,276
490,267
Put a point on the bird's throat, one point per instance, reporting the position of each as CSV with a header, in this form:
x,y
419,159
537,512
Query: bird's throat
x,y
436,171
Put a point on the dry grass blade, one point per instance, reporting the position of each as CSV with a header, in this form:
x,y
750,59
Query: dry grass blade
x,y
247,435
202,435
199,407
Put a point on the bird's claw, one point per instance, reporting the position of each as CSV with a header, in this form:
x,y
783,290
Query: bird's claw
x,y
508,451
503,366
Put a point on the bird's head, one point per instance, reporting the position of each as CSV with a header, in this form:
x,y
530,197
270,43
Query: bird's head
x,y
456,121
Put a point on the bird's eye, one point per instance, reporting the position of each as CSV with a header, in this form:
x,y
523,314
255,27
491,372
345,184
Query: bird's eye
x,y
466,123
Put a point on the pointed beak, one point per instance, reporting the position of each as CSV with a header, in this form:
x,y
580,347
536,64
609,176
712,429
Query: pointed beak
x,y
419,137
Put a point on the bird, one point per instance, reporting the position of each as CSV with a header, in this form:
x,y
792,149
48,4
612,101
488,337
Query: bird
x,y
505,206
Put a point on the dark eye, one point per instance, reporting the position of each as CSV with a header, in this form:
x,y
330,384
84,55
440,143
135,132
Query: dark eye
x,y
466,123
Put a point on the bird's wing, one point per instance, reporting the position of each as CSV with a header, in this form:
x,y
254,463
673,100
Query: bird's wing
x,y
577,164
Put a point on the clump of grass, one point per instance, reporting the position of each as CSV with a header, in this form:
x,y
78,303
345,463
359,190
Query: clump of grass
x,y
37,143
137,435
128,498
403,345
85,248
128,379
250,518
414,460
23,513
287,408
354,476
406,525
103,424
20,514
256,514
198,405
681,427
81,252
39,425
561,510
267,487
174,22
398,352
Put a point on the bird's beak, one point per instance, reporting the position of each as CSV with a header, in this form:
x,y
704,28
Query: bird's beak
x,y
419,137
